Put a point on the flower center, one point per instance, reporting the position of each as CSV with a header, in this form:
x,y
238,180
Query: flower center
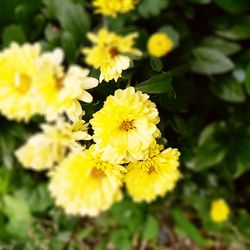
x,y
97,173
22,82
59,83
127,125
151,169
114,52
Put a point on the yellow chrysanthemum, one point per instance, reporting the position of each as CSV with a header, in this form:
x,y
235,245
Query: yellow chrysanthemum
x,y
126,126
113,7
47,148
110,53
18,81
159,44
83,184
155,176
219,210
63,90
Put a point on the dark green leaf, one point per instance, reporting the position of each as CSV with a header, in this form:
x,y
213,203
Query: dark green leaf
x,y
72,17
247,80
233,6
210,61
156,63
158,84
229,90
240,30
13,33
225,47
149,8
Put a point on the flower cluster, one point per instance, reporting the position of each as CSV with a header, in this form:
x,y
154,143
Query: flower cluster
x,y
87,178
36,83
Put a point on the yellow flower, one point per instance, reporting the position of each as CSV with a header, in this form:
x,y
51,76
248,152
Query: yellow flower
x,y
159,44
47,148
62,90
113,7
126,126
219,210
110,53
155,176
83,184
18,81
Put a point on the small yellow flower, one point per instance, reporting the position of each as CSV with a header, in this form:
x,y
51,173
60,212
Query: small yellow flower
x,y
83,184
110,53
113,7
159,44
19,79
62,90
126,126
155,176
219,210
45,149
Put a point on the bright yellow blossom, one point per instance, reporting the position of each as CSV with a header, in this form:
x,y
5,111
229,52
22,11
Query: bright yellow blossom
x,y
159,44
63,90
155,176
45,149
219,210
113,7
83,184
126,126
19,79
110,53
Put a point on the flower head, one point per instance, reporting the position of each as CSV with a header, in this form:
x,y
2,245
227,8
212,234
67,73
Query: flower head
x,y
113,7
63,90
83,184
219,210
47,148
110,53
19,80
126,126
155,176
159,44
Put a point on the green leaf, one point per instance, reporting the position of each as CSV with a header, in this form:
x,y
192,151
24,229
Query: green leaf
x,y
156,63
240,30
151,229
39,198
69,46
13,33
228,89
5,175
209,155
247,80
72,17
18,214
225,47
210,61
233,6
186,228
210,151
149,8
158,84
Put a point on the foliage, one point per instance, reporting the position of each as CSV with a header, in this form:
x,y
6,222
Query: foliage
x,y
202,92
